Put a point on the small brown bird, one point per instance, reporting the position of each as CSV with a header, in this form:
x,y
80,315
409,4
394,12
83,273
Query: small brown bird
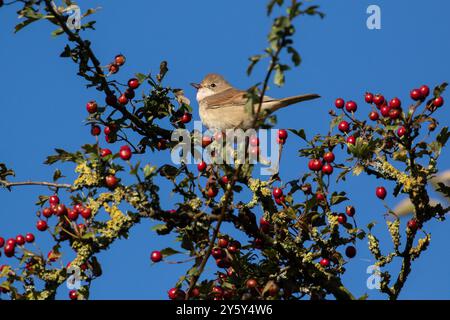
x,y
223,107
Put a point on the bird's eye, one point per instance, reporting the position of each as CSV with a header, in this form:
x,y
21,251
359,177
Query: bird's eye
x,y
213,85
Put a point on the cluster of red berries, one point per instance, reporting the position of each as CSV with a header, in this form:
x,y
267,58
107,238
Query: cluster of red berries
x,y
278,196
225,247
60,210
114,66
325,166
9,246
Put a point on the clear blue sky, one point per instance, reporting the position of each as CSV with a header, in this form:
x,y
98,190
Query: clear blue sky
x,y
42,106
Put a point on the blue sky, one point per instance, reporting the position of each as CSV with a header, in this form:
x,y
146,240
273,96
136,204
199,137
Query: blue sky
x,y
42,106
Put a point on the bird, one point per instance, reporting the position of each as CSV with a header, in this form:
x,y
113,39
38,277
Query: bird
x,y
222,106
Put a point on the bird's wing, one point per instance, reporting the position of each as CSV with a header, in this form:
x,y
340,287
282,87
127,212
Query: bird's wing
x,y
229,98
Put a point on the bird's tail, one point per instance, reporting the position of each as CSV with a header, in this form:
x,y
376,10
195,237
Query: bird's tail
x,y
295,99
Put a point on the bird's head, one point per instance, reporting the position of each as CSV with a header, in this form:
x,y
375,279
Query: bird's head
x,y
212,84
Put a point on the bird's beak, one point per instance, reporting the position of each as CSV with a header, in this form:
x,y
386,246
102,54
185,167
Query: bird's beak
x,y
196,85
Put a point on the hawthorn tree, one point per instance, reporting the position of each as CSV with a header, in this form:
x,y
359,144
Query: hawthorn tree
x,y
301,233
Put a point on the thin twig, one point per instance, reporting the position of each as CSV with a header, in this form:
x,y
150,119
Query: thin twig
x,y
8,184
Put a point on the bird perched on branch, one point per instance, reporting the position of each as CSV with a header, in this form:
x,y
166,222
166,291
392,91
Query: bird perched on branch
x,y
224,107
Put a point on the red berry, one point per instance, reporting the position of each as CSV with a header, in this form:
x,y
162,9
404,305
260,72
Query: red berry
x,y
9,250
223,263
224,180
105,152
328,157
195,293
394,113
113,68
110,129
53,200
385,111
324,262
327,169
41,225
350,251
351,106
73,295
251,283
279,201
11,242
424,91
378,100
29,237
342,218
320,196
339,103
125,153
438,102
344,126
315,165
222,242
61,210
374,116
401,131
206,141
119,60
368,97
282,134
217,291
72,215
281,141
212,192
156,256
133,83
92,107
381,192
176,294
201,166
351,140
111,99
111,181
95,130
2,242
416,94
277,193
395,103
86,213
20,240
78,207
123,99
413,225
217,253
350,211
264,225
186,118
47,212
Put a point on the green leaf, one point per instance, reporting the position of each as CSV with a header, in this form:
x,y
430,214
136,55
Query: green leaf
x,y
295,56
300,133
57,32
443,136
169,252
23,24
149,170
57,175
337,198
